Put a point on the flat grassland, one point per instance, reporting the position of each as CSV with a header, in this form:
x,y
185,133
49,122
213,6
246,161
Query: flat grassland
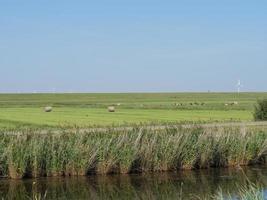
x,y
86,110
34,143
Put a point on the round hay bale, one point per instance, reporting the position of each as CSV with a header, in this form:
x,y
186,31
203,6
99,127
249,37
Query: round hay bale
x,y
111,109
48,109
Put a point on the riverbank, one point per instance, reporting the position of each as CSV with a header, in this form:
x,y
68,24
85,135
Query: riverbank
x,y
28,153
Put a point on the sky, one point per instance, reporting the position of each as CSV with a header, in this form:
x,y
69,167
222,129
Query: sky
x,y
132,45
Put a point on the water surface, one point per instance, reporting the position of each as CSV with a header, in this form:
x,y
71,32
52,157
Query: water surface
x,y
181,185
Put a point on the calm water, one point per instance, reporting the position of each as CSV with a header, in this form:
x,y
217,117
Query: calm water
x,y
181,185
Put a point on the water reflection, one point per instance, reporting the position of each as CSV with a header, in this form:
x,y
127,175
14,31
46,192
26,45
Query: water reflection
x,y
181,185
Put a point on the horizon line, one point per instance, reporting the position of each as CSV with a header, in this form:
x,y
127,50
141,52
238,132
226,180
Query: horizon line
x,y
130,92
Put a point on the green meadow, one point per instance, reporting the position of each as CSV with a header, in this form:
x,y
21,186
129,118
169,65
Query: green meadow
x,y
65,116
35,143
91,109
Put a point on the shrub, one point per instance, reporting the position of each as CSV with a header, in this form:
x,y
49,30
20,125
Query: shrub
x,y
260,113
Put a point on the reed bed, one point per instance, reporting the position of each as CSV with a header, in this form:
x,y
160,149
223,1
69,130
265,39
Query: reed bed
x,y
71,153
246,192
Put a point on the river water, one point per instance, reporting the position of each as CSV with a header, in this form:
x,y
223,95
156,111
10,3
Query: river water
x,y
198,184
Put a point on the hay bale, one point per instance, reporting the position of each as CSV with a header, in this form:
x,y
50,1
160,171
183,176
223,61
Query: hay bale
x,y
111,109
48,109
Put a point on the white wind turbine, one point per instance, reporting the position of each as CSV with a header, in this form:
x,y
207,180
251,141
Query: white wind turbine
x,y
239,86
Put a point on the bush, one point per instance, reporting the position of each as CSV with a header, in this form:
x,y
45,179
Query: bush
x,y
260,113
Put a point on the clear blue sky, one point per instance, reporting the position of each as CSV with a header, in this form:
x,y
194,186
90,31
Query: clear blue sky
x,y
132,45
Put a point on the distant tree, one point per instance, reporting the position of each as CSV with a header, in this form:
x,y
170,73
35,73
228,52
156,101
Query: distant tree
x,y
260,112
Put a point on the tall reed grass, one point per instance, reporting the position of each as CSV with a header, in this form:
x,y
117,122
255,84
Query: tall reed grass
x,y
29,153
247,192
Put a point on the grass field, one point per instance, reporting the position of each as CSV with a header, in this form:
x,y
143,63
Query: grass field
x,y
91,109
26,150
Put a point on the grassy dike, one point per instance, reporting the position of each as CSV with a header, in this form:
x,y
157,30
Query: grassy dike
x,y
28,153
